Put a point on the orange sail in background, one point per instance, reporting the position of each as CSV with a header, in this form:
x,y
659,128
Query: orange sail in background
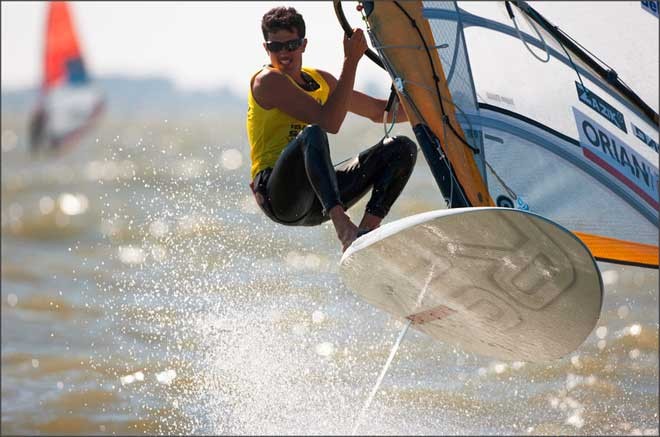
x,y
61,44
69,103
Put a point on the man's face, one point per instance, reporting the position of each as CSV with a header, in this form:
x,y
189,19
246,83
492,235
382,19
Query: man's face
x,y
285,60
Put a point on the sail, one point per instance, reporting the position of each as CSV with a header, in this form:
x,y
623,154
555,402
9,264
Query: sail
x,y
69,103
511,111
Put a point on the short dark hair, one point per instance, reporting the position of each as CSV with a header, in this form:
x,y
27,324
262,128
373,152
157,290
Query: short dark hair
x,y
282,17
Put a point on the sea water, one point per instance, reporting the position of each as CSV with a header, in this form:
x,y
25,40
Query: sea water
x,y
144,292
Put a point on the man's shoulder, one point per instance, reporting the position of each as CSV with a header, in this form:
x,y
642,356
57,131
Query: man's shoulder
x,y
266,85
267,76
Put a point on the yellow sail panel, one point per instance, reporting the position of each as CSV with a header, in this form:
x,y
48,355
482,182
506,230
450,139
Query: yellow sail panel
x,y
405,51
620,251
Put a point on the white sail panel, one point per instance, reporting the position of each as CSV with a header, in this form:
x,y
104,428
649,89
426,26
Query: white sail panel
x,y
560,139
70,109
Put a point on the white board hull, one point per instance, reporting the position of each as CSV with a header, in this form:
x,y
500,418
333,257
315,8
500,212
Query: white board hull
x,y
499,282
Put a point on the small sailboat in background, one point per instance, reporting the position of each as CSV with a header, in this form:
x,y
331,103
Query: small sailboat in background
x,y
69,103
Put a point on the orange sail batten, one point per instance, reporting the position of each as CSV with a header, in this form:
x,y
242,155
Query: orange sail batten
x,y
620,251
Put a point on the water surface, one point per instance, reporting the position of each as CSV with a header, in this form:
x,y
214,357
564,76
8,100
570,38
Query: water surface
x,y
142,291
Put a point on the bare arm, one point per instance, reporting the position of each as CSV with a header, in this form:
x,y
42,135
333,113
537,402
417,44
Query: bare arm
x,y
365,105
272,89
373,108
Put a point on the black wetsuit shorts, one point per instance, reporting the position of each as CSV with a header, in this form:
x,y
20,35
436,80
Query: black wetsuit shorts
x,y
303,185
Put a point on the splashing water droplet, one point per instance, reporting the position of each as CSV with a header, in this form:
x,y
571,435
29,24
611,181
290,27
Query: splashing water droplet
x,y
325,349
575,361
9,140
635,329
318,316
131,255
623,311
158,228
610,277
12,299
46,205
500,368
73,204
232,159
166,377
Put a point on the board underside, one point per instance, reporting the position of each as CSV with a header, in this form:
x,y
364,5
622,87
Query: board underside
x,y
495,281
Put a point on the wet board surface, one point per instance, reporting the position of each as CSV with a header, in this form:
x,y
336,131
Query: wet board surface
x,y
499,282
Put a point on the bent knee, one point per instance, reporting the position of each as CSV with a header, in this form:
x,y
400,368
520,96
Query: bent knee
x,y
404,148
314,134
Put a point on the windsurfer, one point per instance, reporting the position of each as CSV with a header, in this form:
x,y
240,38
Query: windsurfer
x,y
37,129
290,110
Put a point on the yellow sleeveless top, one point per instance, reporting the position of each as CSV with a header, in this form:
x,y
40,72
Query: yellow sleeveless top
x,y
270,130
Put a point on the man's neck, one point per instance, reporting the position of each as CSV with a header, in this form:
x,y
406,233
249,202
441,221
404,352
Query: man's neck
x,y
304,80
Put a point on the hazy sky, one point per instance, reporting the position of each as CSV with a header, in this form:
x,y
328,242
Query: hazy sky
x,y
197,44
210,44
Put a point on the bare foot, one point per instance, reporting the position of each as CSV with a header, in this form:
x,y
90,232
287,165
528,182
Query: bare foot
x,y
346,230
369,223
347,236
362,231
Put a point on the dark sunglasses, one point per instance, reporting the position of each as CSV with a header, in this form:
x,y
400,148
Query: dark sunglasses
x,y
276,46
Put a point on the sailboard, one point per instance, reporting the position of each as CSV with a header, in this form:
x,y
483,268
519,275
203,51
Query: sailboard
x,y
69,102
501,282
511,113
